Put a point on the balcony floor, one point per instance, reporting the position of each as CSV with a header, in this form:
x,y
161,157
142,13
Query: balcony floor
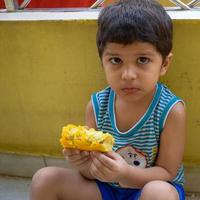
x,y
15,188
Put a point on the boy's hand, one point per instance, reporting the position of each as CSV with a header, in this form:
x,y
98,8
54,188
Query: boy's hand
x,y
79,159
107,167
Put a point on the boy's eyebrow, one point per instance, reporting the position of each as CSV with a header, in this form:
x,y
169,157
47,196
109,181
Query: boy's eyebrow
x,y
147,53
111,54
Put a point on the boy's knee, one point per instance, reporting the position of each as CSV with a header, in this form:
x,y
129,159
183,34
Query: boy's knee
x,y
159,190
40,177
46,183
46,176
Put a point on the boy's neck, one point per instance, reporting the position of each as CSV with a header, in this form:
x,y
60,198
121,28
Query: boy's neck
x,y
127,114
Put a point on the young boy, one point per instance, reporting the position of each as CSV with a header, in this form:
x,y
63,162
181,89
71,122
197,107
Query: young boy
x,y
147,120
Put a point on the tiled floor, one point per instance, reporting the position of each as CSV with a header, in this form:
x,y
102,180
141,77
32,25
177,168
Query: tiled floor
x,y
25,166
12,188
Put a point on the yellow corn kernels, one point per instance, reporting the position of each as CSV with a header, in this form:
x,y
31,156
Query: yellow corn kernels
x,y
83,138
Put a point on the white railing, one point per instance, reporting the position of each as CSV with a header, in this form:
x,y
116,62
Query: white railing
x,y
12,5
189,6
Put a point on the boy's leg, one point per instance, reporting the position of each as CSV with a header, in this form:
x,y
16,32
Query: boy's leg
x,y
156,190
55,183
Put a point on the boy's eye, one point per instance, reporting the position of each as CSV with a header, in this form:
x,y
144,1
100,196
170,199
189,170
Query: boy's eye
x,y
143,60
115,60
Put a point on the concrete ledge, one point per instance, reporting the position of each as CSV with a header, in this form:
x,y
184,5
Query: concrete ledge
x,y
81,14
26,166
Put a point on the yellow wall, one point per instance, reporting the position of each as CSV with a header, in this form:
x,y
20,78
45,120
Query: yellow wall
x,y
163,2
50,68
168,3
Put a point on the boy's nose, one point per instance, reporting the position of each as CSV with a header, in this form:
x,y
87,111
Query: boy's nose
x,y
129,74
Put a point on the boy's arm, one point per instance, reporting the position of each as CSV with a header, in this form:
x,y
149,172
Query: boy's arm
x,y
90,117
91,123
170,156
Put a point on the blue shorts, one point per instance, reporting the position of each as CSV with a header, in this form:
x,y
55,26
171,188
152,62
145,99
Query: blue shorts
x,y
113,193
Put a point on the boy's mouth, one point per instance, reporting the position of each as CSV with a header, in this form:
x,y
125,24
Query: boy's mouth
x,y
130,90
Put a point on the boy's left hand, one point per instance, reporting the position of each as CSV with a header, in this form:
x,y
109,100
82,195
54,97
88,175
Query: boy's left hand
x,y
107,167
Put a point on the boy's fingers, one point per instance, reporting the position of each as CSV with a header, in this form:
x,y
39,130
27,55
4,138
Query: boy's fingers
x,y
113,155
85,153
78,156
104,159
68,152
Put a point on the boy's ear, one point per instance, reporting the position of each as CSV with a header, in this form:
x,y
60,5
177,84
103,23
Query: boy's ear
x,y
166,64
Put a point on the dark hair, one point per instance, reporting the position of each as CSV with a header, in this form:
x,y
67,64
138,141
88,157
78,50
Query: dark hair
x,y
135,20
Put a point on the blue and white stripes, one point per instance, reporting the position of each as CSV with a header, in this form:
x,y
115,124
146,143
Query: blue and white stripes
x,y
145,134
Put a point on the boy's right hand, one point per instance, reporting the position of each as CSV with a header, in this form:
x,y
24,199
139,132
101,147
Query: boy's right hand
x,y
79,159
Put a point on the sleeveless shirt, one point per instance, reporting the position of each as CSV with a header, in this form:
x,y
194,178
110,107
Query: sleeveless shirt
x,y
139,145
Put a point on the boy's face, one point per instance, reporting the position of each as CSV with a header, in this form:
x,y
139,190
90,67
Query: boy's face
x,y
133,70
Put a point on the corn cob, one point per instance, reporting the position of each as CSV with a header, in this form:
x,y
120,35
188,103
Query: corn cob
x,y
83,138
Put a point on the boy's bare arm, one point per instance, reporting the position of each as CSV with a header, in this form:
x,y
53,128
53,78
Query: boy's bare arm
x,y
91,123
90,117
172,141
170,156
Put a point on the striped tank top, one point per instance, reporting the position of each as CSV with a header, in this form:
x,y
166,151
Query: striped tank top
x,y
139,145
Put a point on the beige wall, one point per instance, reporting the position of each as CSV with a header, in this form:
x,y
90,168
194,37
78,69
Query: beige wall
x,y
50,68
